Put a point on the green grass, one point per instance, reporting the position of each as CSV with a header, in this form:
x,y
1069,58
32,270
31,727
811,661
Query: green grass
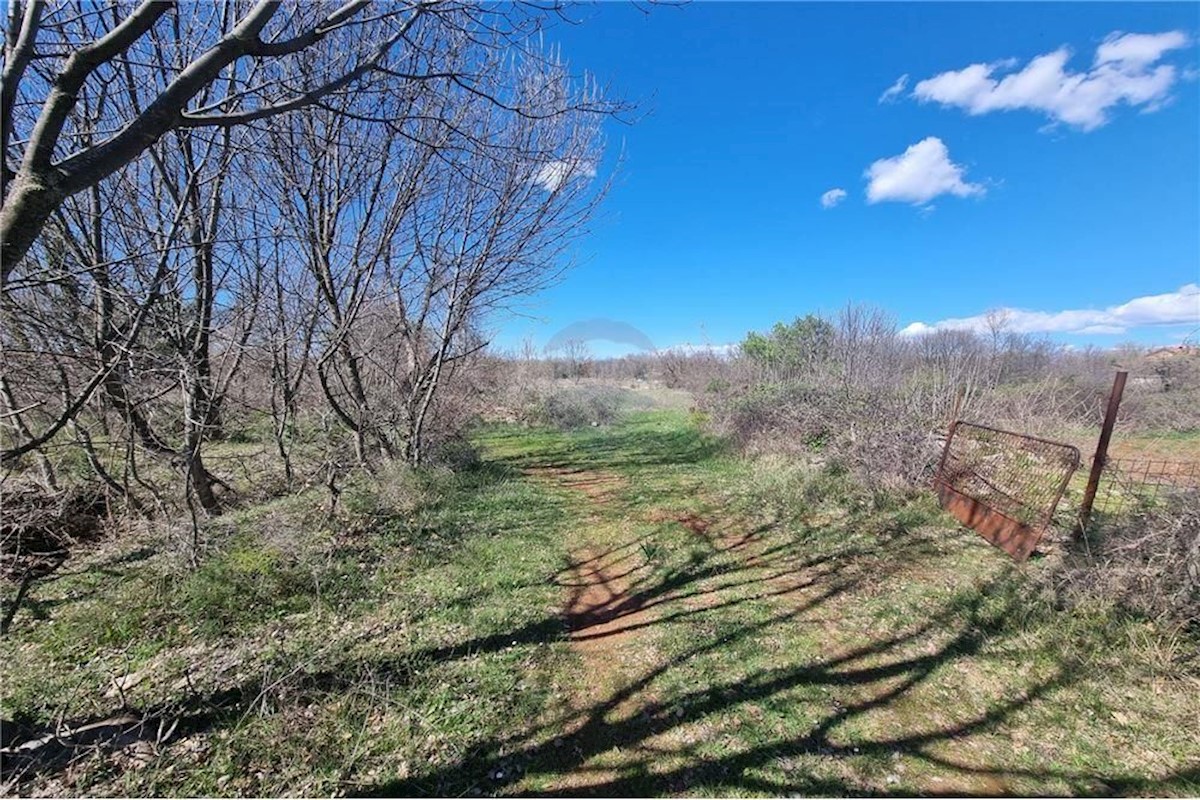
x,y
778,630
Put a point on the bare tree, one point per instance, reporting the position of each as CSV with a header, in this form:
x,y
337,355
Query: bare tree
x,y
577,356
438,172
75,327
414,235
173,53
290,323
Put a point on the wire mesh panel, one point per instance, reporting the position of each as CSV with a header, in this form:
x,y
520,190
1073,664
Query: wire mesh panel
x,y
1138,484
1005,485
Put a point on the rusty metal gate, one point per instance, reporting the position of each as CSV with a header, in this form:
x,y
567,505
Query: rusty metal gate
x,y
1005,485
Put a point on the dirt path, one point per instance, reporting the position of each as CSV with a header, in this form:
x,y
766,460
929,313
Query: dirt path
x,y
606,616
613,604
598,486
603,609
616,607
610,616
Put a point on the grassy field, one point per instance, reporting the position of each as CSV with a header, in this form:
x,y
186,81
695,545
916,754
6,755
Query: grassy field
x,y
622,610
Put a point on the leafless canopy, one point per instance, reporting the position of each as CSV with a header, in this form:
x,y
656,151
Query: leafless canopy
x,y
306,207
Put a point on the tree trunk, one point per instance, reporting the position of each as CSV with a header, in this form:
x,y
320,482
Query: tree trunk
x,y
202,484
29,204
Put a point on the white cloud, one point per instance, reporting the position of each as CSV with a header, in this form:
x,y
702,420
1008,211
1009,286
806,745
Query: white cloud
x,y
917,329
1124,71
919,174
553,174
832,198
1180,307
894,91
1138,48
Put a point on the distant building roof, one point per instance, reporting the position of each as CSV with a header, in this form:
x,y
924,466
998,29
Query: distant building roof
x,y
1174,351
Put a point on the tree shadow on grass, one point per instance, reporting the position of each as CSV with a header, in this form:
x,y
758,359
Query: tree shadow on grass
x,y
560,750
881,673
565,745
633,720
39,750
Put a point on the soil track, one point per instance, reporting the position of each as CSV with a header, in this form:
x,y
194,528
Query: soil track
x,y
603,613
599,486
613,603
613,606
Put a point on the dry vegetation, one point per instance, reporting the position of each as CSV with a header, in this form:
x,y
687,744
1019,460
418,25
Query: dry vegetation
x,y
1148,562
852,394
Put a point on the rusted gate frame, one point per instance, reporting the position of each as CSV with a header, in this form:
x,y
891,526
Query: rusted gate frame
x,y
1062,486
1015,537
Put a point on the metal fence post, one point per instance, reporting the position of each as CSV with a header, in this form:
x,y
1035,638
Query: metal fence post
x,y
1110,419
959,394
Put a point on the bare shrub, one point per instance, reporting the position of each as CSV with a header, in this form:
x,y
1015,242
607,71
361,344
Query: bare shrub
x,y
38,530
842,391
569,409
394,491
853,389
1148,563
706,373
875,433
39,527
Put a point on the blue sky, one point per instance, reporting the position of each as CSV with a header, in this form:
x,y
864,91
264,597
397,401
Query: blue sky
x,y
1065,183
